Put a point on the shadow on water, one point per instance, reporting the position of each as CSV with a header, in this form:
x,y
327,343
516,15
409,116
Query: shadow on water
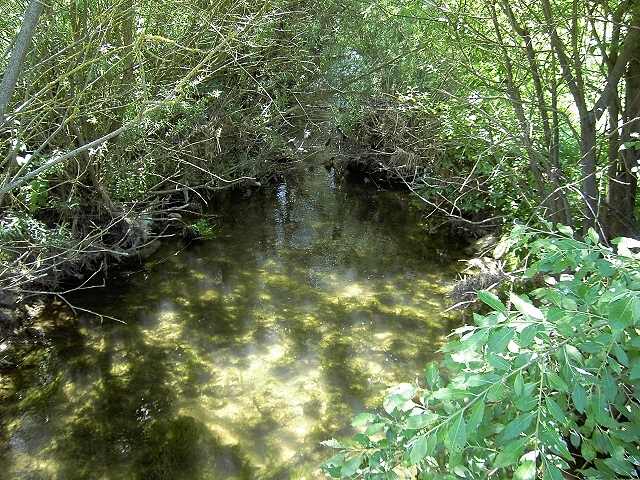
x,y
242,353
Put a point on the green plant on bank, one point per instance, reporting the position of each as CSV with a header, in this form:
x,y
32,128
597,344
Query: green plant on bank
x,y
544,385
203,229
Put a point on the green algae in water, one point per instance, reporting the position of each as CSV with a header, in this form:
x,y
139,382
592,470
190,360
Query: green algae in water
x,y
241,353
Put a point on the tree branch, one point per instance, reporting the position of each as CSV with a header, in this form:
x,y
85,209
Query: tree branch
x,y
60,158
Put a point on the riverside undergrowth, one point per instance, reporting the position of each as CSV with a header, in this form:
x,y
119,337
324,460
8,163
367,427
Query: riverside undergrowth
x,y
545,384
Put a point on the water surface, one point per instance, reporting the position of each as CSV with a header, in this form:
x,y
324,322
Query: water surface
x,y
240,354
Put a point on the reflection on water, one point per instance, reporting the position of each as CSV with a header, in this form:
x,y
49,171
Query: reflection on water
x,y
240,354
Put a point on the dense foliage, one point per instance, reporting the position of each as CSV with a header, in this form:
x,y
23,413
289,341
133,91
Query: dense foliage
x,y
128,113
488,110
544,385
537,104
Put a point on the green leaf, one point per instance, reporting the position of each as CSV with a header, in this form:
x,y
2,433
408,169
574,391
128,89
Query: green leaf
x,y
477,414
457,433
497,362
516,426
579,397
593,236
510,454
351,466
499,340
332,443
620,466
362,419
555,410
575,439
496,392
574,354
625,245
466,356
416,422
621,355
399,398
518,385
634,372
587,450
609,387
552,440
419,450
335,461
565,230
527,335
525,307
374,428
526,471
492,300
621,313
432,375
551,472
557,382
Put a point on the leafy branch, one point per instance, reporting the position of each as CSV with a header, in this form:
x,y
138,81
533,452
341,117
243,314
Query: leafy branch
x,y
542,387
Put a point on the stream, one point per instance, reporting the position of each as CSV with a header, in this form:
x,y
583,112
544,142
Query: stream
x,y
239,354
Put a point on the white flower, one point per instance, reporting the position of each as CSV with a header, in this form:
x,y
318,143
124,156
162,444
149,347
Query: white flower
x,y
22,160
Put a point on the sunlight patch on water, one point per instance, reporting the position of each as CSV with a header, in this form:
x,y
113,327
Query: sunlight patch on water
x,y
209,295
240,355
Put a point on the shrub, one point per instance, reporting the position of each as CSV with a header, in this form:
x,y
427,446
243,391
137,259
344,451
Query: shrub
x,y
545,385
203,229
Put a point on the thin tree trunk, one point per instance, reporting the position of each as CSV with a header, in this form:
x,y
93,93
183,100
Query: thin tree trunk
x,y
14,69
560,206
614,214
571,72
621,197
18,182
554,150
516,101
588,164
18,55
630,156
615,188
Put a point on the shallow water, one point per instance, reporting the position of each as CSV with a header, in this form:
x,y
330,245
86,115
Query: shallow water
x,y
240,354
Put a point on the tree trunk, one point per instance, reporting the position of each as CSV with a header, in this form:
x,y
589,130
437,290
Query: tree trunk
x,y
513,92
615,189
630,156
588,163
621,198
572,73
18,55
558,204
14,69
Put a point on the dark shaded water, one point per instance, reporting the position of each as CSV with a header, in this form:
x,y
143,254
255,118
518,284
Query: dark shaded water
x,y
241,353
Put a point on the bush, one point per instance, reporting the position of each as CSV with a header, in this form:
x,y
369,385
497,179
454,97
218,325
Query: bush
x,y
543,386
203,229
